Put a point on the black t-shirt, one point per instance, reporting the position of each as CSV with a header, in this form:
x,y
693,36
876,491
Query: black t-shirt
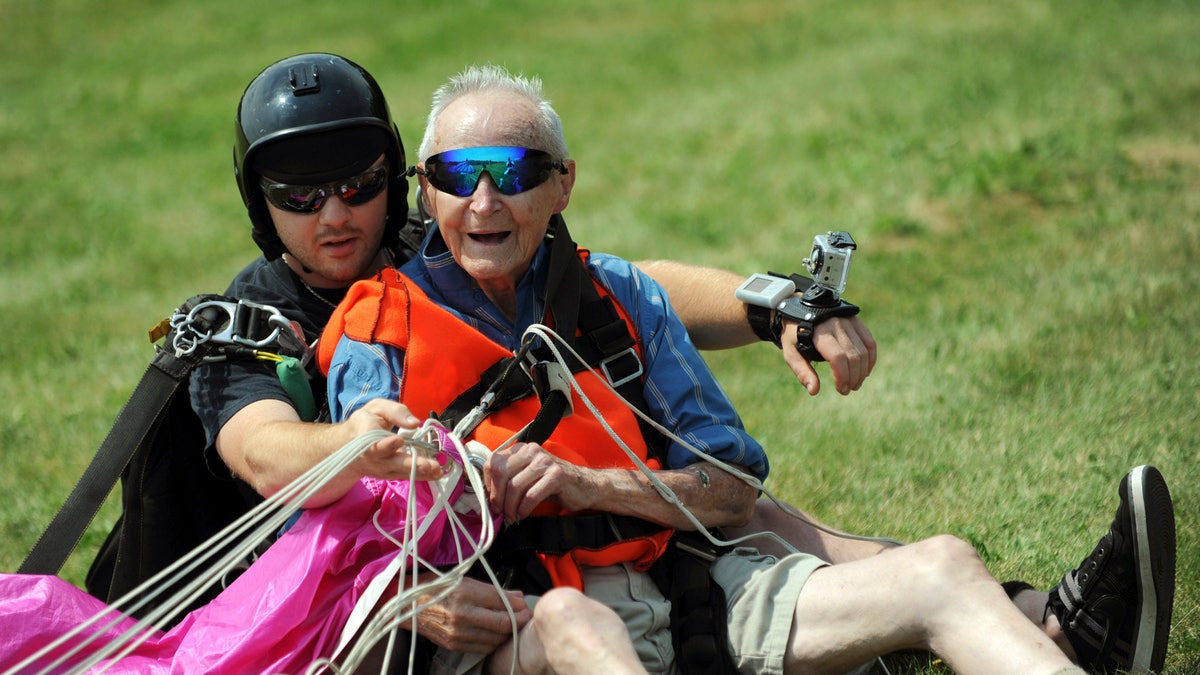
x,y
219,390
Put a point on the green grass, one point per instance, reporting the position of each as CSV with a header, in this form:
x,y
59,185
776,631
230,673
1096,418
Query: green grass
x,y
1023,179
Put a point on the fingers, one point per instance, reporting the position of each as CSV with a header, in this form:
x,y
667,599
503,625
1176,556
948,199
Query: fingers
x,y
850,350
390,458
502,467
382,413
803,370
521,477
473,618
393,459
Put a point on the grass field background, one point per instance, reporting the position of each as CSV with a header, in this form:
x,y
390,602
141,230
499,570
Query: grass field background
x,y
1023,179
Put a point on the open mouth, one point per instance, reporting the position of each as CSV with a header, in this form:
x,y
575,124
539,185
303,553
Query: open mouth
x,y
489,237
339,245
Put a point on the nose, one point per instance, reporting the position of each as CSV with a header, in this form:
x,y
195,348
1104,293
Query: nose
x,y
486,197
334,211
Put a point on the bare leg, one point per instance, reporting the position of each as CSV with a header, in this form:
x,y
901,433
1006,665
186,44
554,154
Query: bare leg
x,y
806,538
570,633
769,517
935,595
1032,604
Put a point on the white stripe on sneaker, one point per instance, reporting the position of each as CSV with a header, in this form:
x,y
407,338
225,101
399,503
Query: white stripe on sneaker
x,y
1143,650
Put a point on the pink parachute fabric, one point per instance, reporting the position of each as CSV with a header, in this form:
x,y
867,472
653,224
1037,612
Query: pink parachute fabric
x,y
282,614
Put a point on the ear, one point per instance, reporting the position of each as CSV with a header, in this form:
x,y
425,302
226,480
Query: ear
x,y
423,195
567,181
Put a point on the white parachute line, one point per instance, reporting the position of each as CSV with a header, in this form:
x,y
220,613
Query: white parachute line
x,y
551,340
377,586
272,513
549,337
406,545
387,619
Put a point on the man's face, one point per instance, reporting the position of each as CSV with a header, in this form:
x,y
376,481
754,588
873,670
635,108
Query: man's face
x,y
339,243
493,236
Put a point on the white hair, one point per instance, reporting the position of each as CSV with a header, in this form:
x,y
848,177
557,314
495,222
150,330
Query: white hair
x,y
548,131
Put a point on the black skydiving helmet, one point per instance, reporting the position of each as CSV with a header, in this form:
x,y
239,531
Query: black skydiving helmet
x,y
309,119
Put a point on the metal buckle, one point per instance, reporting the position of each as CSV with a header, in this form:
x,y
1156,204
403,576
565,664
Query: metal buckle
x,y
631,352
287,334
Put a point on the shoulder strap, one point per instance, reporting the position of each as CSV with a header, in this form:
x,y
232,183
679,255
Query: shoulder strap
x,y
202,326
607,343
129,432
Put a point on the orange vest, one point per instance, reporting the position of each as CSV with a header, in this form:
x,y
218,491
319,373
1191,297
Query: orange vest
x,y
444,357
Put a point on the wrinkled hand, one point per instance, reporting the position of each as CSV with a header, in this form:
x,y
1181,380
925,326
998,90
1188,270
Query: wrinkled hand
x,y
472,618
847,346
389,459
525,475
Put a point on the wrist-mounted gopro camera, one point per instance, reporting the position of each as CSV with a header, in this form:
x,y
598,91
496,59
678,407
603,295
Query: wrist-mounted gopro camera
x,y
820,298
829,262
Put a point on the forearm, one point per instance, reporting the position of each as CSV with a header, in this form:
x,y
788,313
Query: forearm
x,y
703,298
715,497
267,445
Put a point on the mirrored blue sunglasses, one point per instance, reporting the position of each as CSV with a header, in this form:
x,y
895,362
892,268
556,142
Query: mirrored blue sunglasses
x,y
513,170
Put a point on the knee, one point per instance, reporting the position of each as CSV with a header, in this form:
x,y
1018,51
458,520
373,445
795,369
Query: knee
x,y
566,619
947,561
562,611
559,604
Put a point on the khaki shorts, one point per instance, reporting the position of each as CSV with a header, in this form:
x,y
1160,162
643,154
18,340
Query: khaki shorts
x,y
761,593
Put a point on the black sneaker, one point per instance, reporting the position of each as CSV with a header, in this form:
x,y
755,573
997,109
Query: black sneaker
x,y
1116,607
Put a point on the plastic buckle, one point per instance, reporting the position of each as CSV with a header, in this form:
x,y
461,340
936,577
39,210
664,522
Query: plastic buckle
x,y
631,353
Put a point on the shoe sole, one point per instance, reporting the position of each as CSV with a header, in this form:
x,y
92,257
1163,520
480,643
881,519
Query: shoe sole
x,y
1153,526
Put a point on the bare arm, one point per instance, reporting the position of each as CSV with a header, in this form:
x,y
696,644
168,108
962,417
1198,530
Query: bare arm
x,y
268,446
521,477
703,297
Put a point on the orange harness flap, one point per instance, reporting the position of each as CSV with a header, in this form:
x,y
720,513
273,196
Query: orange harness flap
x,y
641,552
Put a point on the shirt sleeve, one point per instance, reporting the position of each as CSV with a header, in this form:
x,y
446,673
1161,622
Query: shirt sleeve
x,y
219,390
681,392
360,372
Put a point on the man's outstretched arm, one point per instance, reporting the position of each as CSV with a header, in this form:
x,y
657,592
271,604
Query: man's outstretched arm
x,y
703,297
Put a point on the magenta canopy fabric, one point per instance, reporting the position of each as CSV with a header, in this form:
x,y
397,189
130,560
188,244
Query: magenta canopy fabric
x,y
283,613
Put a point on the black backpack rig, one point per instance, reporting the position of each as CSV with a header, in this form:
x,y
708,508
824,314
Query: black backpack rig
x,y
175,494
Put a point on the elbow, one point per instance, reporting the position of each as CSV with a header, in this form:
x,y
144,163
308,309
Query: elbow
x,y
742,508
739,506
258,478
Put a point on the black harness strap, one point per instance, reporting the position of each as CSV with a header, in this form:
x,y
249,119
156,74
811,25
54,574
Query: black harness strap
x,y
608,344
134,424
505,379
699,627
560,534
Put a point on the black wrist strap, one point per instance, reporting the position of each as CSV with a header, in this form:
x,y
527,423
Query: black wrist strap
x,y
808,315
765,321
759,319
